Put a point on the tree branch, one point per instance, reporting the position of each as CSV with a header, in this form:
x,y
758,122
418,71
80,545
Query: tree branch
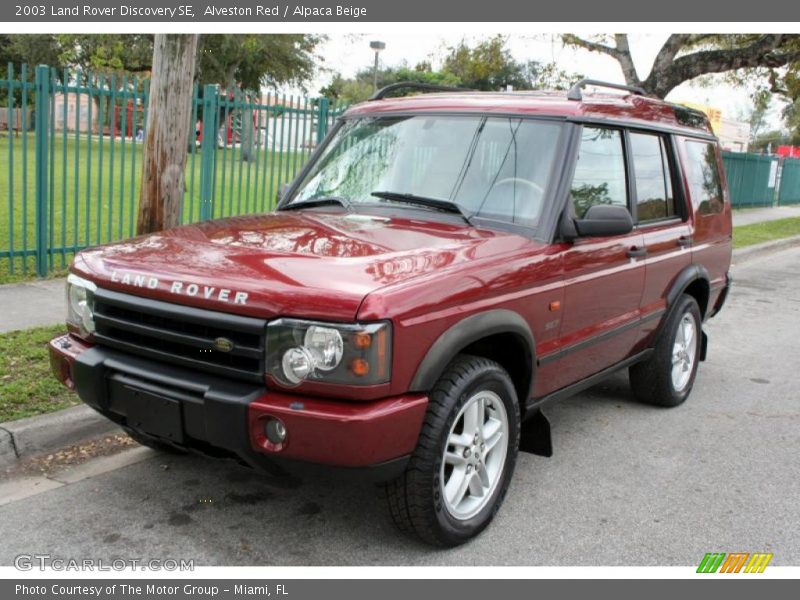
x,y
573,40
761,53
620,52
625,59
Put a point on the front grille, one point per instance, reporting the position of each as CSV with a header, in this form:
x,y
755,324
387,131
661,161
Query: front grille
x,y
180,335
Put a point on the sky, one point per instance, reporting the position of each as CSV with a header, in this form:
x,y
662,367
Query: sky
x,y
349,53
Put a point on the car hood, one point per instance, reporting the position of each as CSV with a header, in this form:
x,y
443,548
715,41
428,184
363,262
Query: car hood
x,y
313,264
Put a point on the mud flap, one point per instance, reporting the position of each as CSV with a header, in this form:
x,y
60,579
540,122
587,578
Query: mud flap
x,y
535,435
703,345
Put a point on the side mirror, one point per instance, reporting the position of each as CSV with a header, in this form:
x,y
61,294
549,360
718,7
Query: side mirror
x,y
603,220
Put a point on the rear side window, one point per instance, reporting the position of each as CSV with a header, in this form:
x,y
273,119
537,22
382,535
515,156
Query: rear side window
x,y
654,198
600,171
704,182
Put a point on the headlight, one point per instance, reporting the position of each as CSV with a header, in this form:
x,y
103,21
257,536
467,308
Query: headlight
x,y
80,304
357,354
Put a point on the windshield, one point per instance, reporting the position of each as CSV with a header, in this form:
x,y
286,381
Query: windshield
x,y
492,167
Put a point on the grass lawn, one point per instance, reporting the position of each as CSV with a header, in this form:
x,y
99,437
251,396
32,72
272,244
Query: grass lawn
x,y
94,192
27,386
747,235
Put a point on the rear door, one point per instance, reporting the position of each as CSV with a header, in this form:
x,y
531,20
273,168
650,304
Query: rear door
x,y
603,277
710,203
661,214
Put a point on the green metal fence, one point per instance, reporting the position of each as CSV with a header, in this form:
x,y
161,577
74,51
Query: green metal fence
x,y
70,159
790,182
749,178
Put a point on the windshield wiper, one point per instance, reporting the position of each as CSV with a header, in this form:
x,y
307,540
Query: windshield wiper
x,y
435,203
320,202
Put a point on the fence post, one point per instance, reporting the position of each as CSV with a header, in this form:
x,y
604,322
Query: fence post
x,y
42,184
208,150
323,108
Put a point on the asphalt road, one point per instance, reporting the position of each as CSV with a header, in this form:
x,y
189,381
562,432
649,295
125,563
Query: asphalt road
x,y
628,484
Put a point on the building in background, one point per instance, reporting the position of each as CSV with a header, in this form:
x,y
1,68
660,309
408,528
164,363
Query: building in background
x,y
733,135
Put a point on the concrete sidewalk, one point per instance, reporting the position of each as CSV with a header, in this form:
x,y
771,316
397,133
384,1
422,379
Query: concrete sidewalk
x,y
32,304
38,303
748,216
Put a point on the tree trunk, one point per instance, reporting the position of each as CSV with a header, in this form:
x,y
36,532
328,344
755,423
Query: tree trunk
x,y
168,126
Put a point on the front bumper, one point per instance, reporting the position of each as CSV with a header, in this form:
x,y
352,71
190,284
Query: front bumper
x,y
219,416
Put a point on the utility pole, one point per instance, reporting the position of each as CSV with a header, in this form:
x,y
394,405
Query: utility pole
x,y
168,126
377,47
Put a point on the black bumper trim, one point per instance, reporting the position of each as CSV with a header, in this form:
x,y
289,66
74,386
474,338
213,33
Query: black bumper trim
x,y
214,411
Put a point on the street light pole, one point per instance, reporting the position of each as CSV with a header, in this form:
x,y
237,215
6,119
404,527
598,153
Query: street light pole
x,y
377,47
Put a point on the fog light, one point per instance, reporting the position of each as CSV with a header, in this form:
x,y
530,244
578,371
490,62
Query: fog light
x,y
275,431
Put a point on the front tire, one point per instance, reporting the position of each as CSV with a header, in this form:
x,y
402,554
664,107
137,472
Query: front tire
x,y
459,473
667,377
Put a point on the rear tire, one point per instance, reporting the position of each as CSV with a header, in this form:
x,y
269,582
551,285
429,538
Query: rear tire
x,y
667,377
453,486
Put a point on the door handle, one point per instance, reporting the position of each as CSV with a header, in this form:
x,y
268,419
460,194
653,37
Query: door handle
x,y
685,241
637,252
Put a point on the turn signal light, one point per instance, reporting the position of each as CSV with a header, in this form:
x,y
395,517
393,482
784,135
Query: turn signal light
x,y
359,367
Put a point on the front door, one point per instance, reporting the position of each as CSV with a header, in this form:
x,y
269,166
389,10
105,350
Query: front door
x,y
603,277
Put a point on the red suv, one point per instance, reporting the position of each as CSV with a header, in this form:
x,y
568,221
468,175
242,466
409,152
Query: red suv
x,y
445,265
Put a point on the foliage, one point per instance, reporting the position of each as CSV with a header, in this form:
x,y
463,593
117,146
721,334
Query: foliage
x,y
254,60
106,53
34,49
486,66
27,387
230,60
684,57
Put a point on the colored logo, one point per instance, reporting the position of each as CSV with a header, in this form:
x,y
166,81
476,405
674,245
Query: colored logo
x,y
222,344
734,562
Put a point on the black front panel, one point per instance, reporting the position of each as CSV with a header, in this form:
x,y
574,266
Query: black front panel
x,y
220,343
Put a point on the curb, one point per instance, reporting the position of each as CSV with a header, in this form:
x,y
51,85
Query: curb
x,y
758,250
44,433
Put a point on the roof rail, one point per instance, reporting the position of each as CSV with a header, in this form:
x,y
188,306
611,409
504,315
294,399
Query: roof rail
x,y
413,85
576,93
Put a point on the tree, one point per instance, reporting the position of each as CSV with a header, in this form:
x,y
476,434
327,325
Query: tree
x,y
252,61
359,88
487,66
107,53
34,49
684,57
168,124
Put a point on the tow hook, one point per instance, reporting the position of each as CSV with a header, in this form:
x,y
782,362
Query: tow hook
x,y
535,435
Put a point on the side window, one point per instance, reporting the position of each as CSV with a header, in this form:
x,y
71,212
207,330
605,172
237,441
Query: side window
x,y
600,171
654,198
704,183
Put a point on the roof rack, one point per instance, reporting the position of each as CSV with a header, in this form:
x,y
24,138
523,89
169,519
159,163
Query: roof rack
x,y
576,91
412,85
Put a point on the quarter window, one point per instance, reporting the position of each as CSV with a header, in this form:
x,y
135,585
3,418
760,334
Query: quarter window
x,y
654,198
600,171
704,183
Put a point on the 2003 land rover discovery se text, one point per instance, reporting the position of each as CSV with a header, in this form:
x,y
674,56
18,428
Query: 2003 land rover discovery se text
x,y
445,265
